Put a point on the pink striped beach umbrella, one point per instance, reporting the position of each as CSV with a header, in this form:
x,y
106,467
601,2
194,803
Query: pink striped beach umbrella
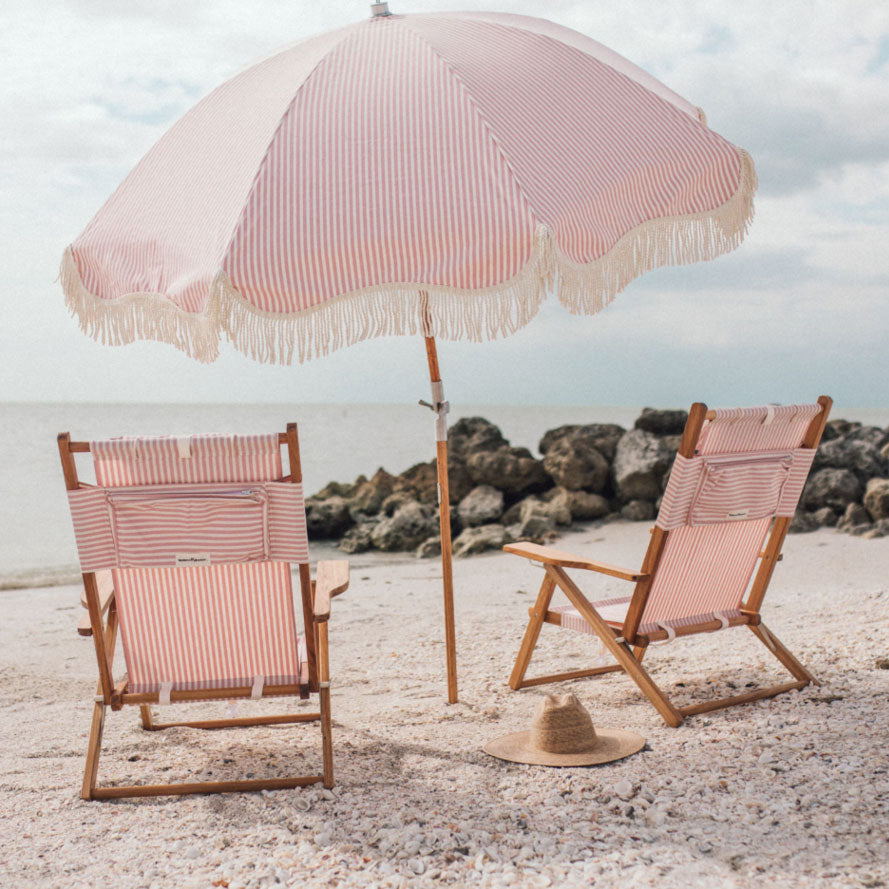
x,y
433,175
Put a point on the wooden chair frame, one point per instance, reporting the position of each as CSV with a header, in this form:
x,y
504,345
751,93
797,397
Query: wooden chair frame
x,y
626,644
98,597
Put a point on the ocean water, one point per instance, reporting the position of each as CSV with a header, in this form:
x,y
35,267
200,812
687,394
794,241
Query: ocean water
x,y
337,442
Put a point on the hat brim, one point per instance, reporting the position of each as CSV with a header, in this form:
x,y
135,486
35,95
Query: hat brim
x,y
610,745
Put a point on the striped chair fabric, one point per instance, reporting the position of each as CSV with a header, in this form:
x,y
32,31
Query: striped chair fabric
x,y
718,506
225,615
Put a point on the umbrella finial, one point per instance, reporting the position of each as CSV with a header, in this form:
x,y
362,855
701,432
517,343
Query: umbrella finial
x,y
379,7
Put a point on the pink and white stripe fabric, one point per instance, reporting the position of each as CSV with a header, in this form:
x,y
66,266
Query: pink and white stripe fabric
x,y
169,525
707,563
424,173
206,626
209,627
706,569
704,490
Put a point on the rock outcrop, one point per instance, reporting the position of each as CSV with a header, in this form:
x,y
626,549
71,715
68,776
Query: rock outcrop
x,y
592,472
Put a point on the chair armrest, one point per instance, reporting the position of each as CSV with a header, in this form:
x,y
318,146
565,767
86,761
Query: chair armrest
x,y
331,579
105,585
550,556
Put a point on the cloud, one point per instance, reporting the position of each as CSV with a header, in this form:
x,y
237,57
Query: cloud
x,y
88,86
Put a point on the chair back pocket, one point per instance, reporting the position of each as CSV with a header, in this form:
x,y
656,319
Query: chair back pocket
x,y
738,487
184,527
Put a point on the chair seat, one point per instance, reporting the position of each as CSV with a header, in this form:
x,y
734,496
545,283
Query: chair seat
x,y
302,678
614,612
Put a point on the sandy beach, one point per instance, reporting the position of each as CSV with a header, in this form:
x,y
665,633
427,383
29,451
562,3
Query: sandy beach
x,y
791,792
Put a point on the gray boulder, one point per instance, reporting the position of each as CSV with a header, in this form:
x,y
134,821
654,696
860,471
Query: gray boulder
x,y
640,461
479,539
326,519
369,496
873,435
837,429
535,519
481,506
472,434
551,511
338,489
803,522
554,508
460,482
880,529
825,517
876,498
358,539
575,464
538,528
583,506
862,530
661,422
429,548
395,501
420,482
854,516
836,488
857,455
638,511
602,436
512,470
407,528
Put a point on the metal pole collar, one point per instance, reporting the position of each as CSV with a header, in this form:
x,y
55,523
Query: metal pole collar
x,y
441,408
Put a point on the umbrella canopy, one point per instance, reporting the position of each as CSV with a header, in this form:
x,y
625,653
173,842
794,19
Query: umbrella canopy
x,y
432,174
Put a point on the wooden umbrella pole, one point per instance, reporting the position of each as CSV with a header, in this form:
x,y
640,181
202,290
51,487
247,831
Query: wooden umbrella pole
x,y
439,405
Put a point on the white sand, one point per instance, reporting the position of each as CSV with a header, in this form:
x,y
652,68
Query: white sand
x,y
791,792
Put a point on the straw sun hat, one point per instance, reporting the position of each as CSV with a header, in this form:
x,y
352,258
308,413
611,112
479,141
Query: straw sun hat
x,y
562,734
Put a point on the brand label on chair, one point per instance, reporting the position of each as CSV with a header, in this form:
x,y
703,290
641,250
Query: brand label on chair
x,y
185,559
737,514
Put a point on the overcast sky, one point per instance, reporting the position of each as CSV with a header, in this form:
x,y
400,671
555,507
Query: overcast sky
x,y
801,308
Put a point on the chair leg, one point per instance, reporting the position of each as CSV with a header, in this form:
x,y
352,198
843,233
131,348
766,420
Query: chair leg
x,y
326,738
532,632
147,722
324,701
517,679
93,750
795,668
771,641
620,650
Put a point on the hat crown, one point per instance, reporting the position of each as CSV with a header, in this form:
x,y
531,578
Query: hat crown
x,y
562,725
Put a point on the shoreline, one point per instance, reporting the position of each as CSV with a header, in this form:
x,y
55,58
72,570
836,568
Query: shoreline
x,y
347,528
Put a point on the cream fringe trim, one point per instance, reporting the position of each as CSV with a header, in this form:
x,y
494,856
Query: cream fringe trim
x,y
414,309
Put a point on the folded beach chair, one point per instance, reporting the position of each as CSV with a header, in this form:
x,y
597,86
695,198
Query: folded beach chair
x,y
731,495
186,544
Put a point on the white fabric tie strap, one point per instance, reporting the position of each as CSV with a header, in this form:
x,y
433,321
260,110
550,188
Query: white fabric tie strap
x,y
163,696
256,691
183,445
723,620
770,414
671,635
